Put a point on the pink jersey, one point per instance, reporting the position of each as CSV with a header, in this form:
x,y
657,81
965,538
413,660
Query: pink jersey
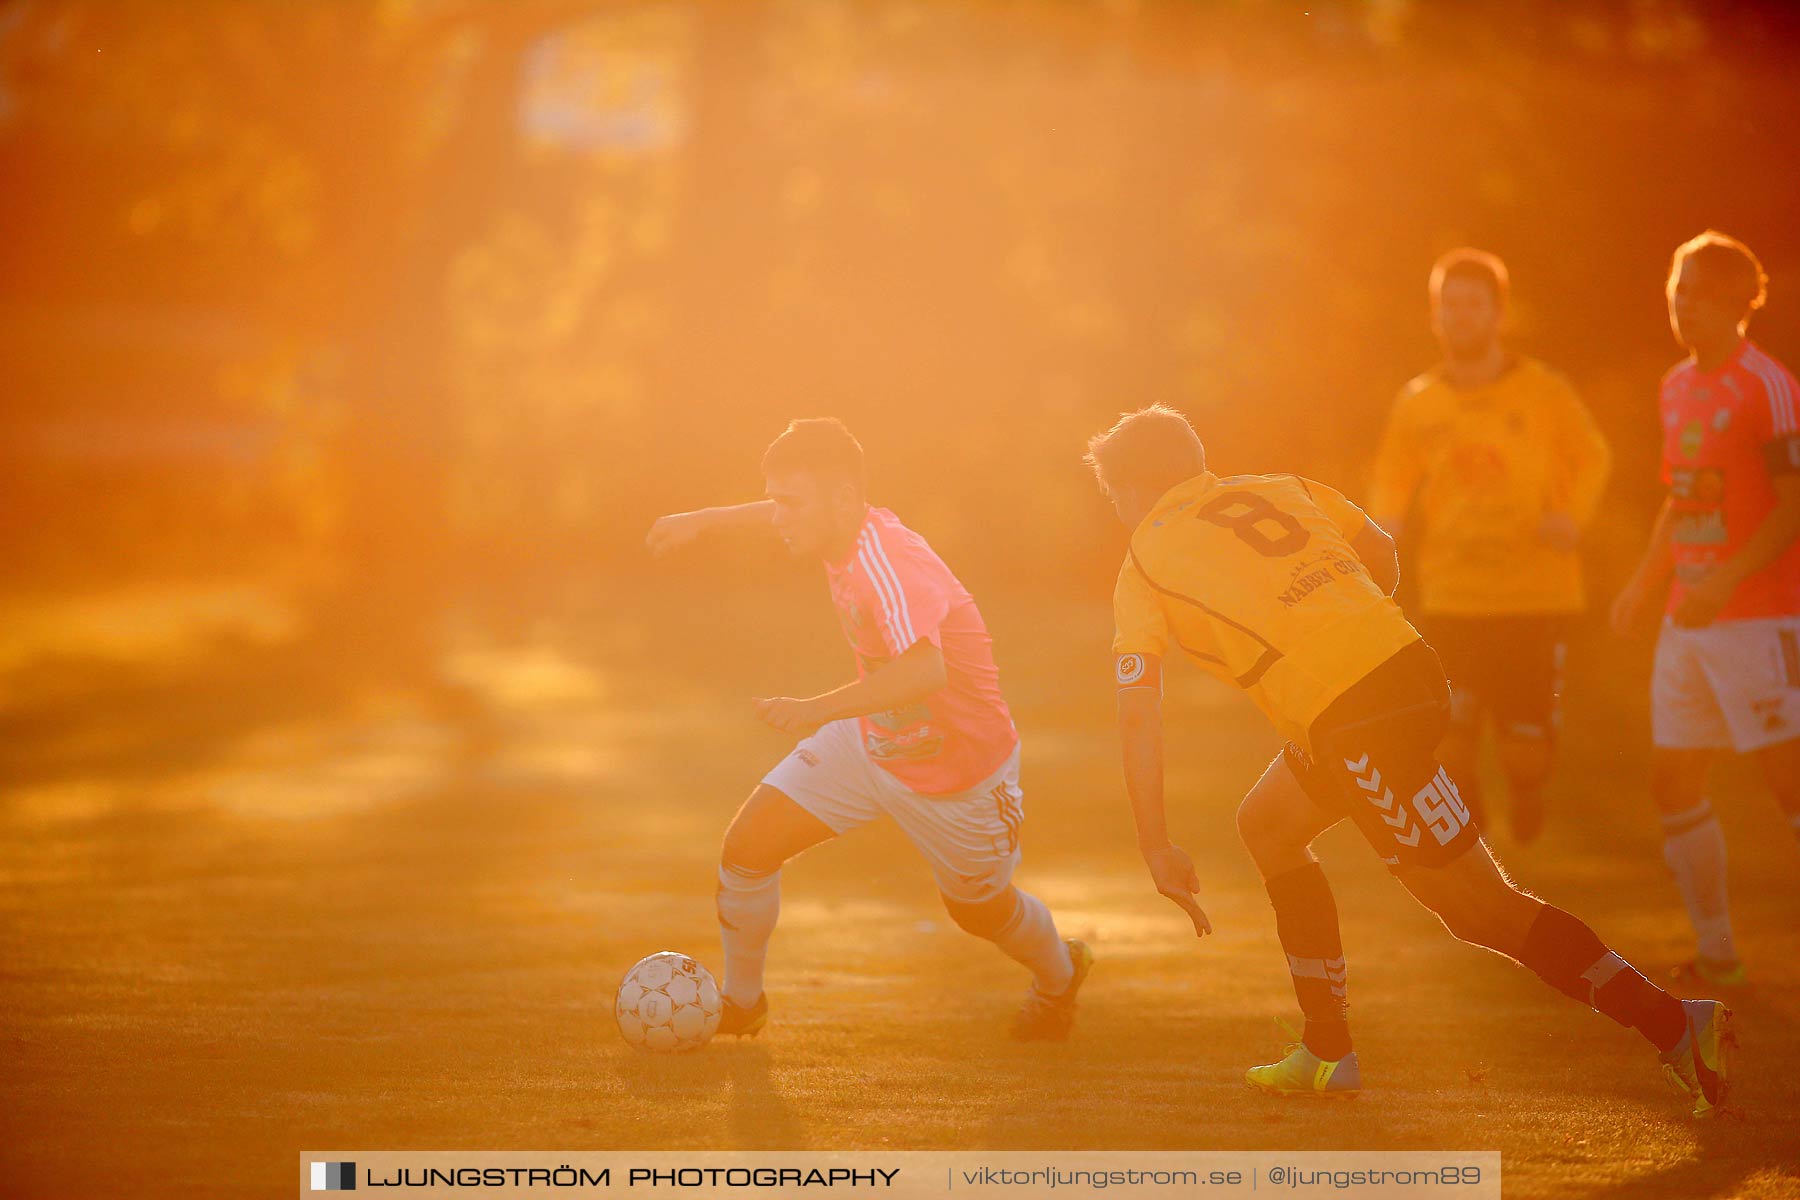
x,y
892,593
1725,432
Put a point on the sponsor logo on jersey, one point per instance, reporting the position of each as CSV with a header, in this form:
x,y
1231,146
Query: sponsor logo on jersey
x,y
1130,668
1697,485
908,746
894,720
1692,435
807,756
1305,586
902,734
1699,528
1312,576
1699,517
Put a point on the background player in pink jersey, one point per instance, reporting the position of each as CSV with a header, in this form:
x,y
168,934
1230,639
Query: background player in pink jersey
x,y
1728,657
923,735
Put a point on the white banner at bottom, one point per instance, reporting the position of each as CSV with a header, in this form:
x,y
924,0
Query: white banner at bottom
x,y
908,1174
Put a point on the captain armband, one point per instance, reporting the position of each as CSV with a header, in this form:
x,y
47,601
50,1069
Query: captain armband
x,y
1782,455
1137,671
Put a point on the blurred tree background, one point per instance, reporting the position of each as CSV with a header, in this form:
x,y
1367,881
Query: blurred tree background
x,y
388,299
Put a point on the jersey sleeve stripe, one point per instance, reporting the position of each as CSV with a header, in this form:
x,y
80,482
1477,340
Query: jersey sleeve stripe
x,y
892,598
890,616
1756,354
1770,373
1778,384
1781,400
899,592
881,593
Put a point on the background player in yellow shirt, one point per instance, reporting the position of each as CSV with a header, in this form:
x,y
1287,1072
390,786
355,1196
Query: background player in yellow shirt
x,y
1281,587
1505,467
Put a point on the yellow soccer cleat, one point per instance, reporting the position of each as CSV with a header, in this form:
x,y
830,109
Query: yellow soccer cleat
x,y
1700,1064
1303,1073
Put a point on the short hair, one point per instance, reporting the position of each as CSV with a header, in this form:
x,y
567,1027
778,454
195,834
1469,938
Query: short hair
x,y
1478,266
1733,273
817,444
1154,448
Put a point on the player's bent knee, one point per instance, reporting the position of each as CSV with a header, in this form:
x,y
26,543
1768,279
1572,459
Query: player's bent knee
x,y
1250,821
983,918
1677,779
744,850
1262,826
767,831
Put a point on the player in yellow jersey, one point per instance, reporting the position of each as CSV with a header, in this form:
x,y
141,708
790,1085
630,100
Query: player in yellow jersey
x,y
1504,468
1281,587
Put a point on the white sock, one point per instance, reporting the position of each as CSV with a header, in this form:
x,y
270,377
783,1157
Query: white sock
x,y
748,905
1031,938
1694,848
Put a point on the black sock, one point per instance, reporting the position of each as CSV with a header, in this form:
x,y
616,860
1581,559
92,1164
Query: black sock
x,y
1571,958
1306,920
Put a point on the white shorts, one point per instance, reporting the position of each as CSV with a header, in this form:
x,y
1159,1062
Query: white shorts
x,y
971,839
1731,683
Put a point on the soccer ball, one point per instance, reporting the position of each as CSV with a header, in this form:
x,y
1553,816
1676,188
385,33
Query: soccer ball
x,y
667,1003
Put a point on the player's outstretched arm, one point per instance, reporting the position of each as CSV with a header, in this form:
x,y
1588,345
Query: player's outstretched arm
x,y
912,677
677,530
1376,549
1141,743
1647,580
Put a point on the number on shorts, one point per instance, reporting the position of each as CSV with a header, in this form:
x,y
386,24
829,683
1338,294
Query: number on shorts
x,y
1441,808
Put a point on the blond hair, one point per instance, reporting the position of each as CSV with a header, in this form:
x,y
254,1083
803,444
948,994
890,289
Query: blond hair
x,y
1154,448
1732,271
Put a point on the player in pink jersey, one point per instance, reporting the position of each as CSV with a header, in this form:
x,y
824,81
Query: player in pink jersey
x,y
1728,658
923,735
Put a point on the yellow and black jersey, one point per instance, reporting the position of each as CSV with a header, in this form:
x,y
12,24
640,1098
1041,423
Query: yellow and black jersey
x,y
1253,576
1485,466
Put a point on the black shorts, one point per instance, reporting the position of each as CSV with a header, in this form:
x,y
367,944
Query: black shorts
x,y
1374,759
1508,666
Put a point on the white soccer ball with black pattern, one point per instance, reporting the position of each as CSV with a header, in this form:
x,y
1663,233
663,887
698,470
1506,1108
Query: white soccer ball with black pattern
x,y
667,1003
